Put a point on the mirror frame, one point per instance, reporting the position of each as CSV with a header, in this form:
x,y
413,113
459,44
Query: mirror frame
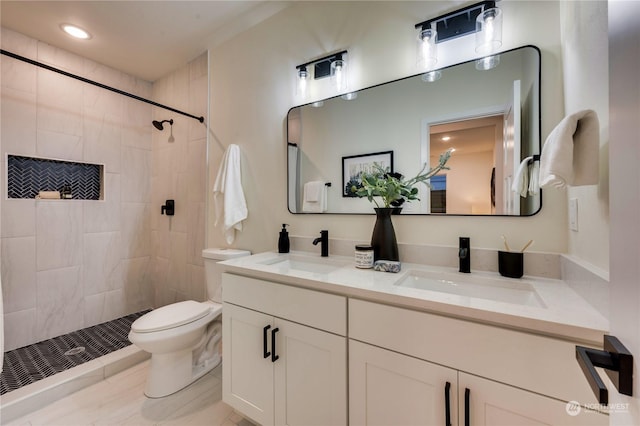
x,y
539,145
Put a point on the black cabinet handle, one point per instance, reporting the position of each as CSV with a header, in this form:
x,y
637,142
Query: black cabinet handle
x,y
274,357
265,350
447,404
467,414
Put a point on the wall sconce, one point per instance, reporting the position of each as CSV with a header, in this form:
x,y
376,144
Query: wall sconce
x,y
484,19
333,66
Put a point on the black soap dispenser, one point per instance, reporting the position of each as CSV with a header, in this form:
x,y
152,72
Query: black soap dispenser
x,y
283,241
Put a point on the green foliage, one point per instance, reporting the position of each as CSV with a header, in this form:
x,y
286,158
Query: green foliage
x,y
392,187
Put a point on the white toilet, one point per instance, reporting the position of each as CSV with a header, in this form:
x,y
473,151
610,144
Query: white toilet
x,y
184,338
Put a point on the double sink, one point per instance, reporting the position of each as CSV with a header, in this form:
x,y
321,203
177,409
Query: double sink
x,y
475,286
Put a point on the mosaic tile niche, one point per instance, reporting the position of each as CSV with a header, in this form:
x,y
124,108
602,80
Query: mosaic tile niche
x,y
27,176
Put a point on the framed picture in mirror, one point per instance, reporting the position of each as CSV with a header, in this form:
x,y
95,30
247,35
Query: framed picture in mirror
x,y
354,166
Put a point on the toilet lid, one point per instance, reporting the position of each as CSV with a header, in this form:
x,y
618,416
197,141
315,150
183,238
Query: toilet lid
x,y
170,316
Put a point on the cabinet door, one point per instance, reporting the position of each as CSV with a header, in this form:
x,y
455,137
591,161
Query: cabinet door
x,y
310,376
247,377
495,404
388,388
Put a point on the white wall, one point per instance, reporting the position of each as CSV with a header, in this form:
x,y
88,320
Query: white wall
x,y
252,88
585,65
624,102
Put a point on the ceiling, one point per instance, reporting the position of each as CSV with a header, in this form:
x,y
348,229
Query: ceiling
x,y
147,39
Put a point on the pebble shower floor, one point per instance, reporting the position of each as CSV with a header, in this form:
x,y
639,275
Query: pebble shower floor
x,y
31,363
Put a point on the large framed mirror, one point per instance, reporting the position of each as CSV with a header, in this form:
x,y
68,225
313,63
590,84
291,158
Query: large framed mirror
x,y
490,117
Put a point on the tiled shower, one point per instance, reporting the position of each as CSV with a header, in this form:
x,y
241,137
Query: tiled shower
x,y
71,264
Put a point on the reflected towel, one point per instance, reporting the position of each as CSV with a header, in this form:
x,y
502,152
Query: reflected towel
x,y
534,178
570,153
228,196
314,198
521,179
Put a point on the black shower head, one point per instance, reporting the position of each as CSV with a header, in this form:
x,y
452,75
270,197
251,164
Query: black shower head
x,y
158,124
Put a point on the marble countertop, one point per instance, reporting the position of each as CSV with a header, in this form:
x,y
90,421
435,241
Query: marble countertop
x,y
555,309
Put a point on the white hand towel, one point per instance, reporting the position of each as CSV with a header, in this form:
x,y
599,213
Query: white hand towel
x,y
570,153
521,179
314,198
534,179
228,196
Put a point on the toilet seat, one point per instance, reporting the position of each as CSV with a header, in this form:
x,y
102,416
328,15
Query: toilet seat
x,y
171,316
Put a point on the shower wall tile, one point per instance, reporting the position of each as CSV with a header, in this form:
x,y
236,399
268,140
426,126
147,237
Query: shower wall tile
x,y
18,218
161,243
104,215
103,307
197,151
59,108
136,284
59,146
102,269
178,262
195,233
180,187
19,329
60,302
60,58
198,101
18,273
136,175
18,122
101,138
58,234
105,75
197,289
17,74
56,249
136,124
135,230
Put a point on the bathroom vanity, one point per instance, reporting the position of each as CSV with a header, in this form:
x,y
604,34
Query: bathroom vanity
x,y
310,340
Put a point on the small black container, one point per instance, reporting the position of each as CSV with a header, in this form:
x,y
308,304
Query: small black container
x,y
511,264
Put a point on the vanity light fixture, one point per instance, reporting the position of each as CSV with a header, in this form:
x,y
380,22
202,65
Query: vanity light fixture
x,y
483,18
333,66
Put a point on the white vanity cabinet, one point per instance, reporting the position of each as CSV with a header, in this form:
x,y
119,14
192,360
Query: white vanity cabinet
x,y
284,353
401,360
388,388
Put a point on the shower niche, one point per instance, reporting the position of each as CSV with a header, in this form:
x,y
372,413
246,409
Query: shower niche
x,y
33,177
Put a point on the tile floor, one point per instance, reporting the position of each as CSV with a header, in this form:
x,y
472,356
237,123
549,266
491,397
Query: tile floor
x,y
119,400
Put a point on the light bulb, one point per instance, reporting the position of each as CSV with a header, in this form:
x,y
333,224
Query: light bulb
x,y
339,74
489,31
303,77
427,49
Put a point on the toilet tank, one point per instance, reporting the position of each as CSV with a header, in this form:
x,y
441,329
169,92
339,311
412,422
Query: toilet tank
x,y
212,273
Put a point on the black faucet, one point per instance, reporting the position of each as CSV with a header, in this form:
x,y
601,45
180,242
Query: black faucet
x,y
324,243
464,253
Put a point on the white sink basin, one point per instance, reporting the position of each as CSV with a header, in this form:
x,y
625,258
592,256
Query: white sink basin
x,y
314,265
473,286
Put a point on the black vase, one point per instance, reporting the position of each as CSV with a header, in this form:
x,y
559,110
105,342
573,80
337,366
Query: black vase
x,y
383,240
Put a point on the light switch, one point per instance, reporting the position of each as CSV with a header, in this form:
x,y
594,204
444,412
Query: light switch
x,y
573,214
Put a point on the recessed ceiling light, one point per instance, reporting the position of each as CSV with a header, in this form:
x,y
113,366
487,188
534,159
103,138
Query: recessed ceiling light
x,y
75,31
446,138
